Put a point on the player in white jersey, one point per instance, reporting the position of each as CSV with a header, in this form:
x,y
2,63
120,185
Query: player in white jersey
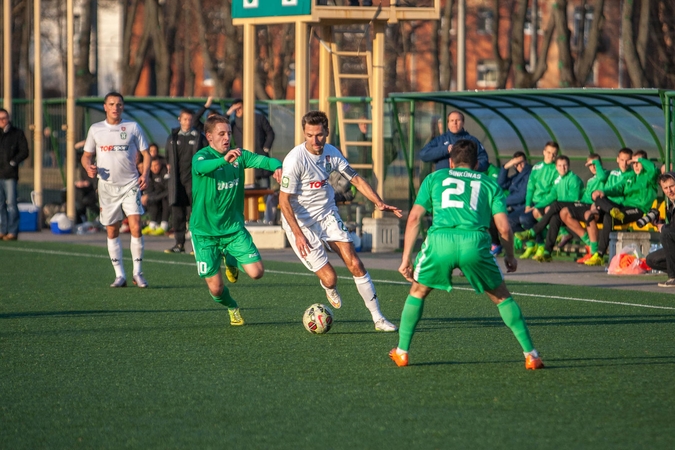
x,y
116,143
310,216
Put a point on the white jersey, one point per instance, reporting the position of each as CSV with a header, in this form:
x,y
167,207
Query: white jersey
x,y
306,176
116,148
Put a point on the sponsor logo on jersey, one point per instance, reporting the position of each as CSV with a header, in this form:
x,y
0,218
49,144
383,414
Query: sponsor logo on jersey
x,y
114,148
329,166
317,184
123,135
284,182
253,255
235,164
223,185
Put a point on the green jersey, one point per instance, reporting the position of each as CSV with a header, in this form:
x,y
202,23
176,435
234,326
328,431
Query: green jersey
x,y
540,183
596,183
638,191
218,190
616,177
565,189
461,199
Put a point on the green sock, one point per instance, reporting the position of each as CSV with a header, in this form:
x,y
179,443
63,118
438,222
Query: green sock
x,y
586,240
530,233
594,247
513,318
412,313
225,299
529,244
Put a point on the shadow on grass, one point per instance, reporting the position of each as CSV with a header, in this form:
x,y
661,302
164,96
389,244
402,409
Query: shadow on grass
x,y
560,363
543,321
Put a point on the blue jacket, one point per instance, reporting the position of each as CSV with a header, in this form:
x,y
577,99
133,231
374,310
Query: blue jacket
x,y
516,184
436,151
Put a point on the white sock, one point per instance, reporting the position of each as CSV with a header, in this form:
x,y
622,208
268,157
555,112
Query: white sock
x,y
400,352
367,290
115,252
325,288
153,225
137,253
533,353
164,225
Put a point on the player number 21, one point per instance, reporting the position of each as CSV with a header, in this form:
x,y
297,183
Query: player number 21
x,y
458,189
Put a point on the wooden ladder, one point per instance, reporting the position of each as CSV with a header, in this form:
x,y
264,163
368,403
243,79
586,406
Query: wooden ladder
x,y
338,57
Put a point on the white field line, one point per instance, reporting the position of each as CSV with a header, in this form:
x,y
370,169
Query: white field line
x,y
307,274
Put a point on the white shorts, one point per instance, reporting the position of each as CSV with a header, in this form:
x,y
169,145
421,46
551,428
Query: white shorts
x,y
116,201
330,229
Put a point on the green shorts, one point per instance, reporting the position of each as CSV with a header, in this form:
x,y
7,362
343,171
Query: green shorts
x,y
210,250
468,251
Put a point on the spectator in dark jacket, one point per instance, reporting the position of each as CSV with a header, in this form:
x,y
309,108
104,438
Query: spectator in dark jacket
x,y
264,137
13,150
664,258
438,149
156,198
181,146
516,184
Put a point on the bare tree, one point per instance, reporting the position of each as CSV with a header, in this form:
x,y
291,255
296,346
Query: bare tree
x,y
526,77
574,71
441,64
504,62
132,62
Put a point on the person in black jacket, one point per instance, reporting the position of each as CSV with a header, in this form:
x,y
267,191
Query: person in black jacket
x,y
264,137
156,198
664,258
13,150
438,149
181,146
516,184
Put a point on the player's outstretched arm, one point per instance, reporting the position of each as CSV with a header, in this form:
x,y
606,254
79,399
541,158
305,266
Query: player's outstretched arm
x,y
301,242
371,195
412,230
506,235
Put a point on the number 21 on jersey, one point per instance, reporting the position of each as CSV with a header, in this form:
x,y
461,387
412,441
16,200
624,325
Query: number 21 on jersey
x,y
456,188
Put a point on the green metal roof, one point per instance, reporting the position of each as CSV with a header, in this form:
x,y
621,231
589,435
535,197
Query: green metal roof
x,y
582,121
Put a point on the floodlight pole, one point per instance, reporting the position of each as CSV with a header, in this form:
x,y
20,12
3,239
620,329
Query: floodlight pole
x,y
37,108
70,114
7,55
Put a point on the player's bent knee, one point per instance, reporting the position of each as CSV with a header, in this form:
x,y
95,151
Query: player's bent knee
x,y
419,290
498,294
255,270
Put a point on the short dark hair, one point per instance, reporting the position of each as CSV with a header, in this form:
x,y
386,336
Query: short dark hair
x,y
457,112
626,151
666,176
563,158
186,111
595,156
465,152
156,158
641,154
553,144
519,153
315,118
212,121
112,94
3,110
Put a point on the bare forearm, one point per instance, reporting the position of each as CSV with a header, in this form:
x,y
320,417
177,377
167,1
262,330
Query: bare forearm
x,y
367,191
287,211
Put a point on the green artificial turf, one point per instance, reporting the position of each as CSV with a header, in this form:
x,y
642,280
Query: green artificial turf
x,y
86,366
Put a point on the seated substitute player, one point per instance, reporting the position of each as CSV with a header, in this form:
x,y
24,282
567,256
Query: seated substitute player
x,y
217,219
310,216
539,185
567,189
633,197
462,202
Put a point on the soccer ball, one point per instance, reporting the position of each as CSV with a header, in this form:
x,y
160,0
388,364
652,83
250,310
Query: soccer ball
x,y
318,319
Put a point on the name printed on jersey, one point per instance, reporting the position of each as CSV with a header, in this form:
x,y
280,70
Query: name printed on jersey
x,y
114,148
464,174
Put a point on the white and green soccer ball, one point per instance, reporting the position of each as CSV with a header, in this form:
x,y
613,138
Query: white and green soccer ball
x,y
318,319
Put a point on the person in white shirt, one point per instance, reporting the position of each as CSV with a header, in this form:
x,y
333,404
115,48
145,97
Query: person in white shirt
x,y
115,143
310,217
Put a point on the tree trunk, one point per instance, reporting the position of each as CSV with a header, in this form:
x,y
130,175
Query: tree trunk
x,y
83,76
586,57
504,62
433,48
566,63
635,70
133,65
445,61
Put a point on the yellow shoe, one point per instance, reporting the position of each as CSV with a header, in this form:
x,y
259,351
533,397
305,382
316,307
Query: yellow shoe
x,y
235,317
617,214
595,260
147,230
232,273
529,252
157,232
